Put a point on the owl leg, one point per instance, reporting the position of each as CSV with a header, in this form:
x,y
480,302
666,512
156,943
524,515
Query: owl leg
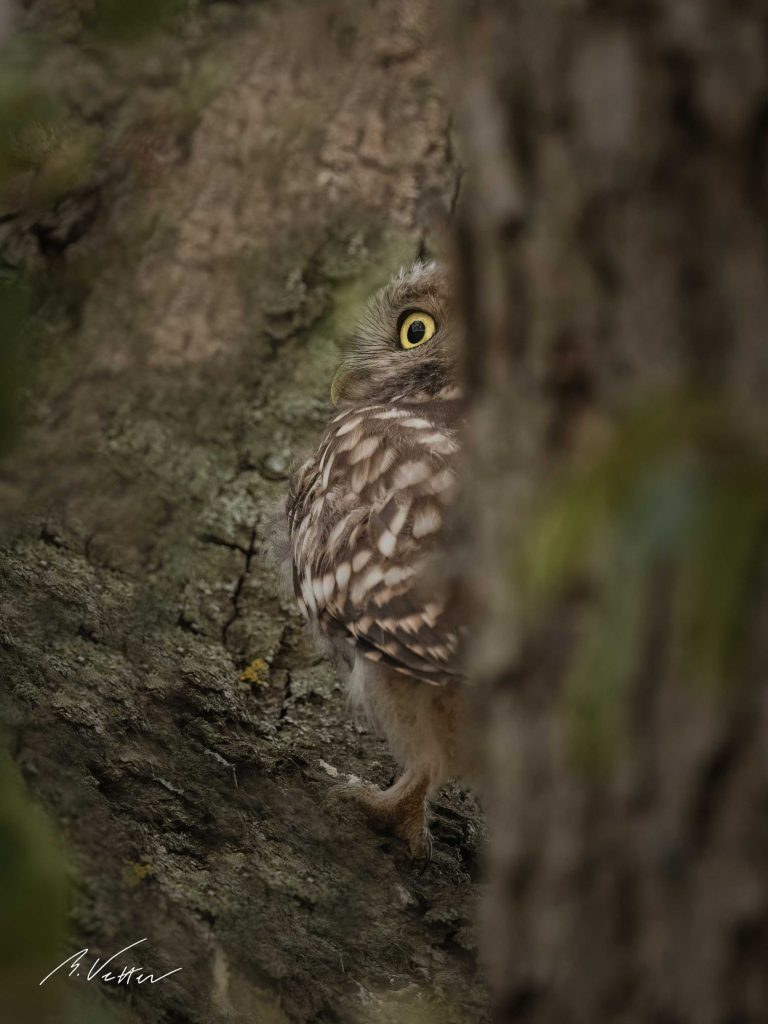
x,y
419,722
401,809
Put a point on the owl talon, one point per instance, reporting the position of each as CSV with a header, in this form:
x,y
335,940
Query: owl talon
x,y
400,809
422,850
429,850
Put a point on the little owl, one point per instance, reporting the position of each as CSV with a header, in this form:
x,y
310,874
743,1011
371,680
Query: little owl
x,y
366,517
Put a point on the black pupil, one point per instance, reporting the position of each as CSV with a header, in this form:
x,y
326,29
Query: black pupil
x,y
416,332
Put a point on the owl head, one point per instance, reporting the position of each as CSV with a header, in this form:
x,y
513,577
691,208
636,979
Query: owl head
x,y
405,346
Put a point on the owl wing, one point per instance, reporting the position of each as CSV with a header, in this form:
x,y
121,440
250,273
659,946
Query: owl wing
x,y
367,518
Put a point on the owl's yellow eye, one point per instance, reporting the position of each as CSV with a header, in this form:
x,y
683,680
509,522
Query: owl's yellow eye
x,y
416,329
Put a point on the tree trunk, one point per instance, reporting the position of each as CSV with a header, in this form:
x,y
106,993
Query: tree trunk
x,y
197,219
614,254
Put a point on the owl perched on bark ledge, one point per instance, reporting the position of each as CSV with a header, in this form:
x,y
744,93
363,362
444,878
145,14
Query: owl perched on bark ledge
x,y
366,516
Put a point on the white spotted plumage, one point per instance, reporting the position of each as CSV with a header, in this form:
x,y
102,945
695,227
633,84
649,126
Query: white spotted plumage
x,y
373,511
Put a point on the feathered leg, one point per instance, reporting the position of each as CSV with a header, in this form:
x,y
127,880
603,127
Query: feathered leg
x,y
425,726
401,809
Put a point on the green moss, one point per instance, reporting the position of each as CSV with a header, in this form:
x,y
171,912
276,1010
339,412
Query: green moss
x,y
29,120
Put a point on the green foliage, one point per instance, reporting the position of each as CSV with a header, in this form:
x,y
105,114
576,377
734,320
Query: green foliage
x,y
720,563
675,509
33,882
34,900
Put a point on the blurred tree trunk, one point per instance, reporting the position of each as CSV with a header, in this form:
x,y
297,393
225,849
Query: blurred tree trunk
x,y
613,248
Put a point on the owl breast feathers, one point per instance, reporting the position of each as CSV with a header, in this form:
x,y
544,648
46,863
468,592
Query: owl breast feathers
x,y
367,510
366,515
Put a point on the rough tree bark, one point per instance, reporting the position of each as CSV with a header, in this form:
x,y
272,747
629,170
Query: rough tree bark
x,y
198,217
614,254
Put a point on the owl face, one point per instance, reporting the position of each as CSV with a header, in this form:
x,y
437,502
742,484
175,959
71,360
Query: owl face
x,y
405,347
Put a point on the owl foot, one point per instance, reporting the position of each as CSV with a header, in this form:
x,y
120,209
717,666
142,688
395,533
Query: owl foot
x,y
401,809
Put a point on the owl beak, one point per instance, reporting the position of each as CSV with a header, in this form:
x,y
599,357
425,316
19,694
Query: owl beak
x,y
337,385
